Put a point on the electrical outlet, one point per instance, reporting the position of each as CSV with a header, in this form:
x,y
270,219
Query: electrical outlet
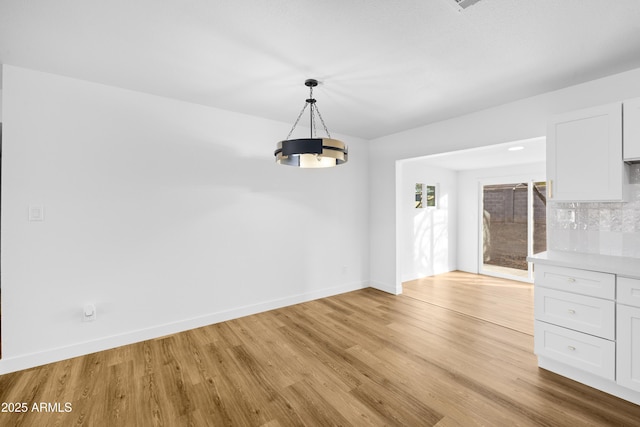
x,y
89,313
36,213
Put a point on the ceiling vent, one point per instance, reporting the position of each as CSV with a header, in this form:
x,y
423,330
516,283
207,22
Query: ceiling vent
x,y
463,4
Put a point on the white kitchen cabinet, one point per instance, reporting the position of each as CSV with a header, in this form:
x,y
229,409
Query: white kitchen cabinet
x,y
631,132
587,320
584,155
574,313
628,347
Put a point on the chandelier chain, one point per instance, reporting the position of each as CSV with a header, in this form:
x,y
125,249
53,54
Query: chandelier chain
x,y
319,115
313,111
297,120
322,121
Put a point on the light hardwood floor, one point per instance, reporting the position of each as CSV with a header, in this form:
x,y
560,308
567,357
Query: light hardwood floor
x,y
507,303
455,350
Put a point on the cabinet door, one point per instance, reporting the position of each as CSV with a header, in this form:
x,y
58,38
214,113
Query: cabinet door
x,y
632,130
584,155
628,347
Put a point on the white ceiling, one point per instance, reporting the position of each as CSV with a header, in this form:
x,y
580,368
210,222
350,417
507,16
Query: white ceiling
x,y
488,157
384,65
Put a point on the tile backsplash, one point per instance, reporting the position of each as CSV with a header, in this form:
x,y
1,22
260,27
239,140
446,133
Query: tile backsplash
x,y
597,227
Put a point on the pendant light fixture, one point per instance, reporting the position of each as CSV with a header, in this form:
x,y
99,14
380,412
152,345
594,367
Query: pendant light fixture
x,y
312,152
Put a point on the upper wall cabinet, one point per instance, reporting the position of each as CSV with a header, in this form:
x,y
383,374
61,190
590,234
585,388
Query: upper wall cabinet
x,y
584,155
631,130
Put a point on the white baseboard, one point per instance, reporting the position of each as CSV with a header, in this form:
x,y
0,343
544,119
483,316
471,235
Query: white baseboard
x,y
391,289
12,364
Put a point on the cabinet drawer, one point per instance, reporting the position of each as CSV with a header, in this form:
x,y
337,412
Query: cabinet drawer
x,y
590,315
628,291
582,351
601,285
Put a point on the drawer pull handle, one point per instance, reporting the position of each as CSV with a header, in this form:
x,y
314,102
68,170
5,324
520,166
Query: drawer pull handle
x,y
571,311
571,280
572,348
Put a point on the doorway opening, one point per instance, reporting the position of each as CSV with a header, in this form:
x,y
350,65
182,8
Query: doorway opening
x,y
513,227
459,173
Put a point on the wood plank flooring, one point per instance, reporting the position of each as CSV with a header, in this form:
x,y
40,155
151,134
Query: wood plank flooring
x,y
361,358
505,302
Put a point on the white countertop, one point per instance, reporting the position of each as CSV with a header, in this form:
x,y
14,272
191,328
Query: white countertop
x,y
622,266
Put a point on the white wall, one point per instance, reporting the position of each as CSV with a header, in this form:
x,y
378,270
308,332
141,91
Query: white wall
x,y
427,235
166,215
468,193
518,120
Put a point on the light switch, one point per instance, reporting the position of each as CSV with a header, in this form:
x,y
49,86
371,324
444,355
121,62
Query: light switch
x,y
36,213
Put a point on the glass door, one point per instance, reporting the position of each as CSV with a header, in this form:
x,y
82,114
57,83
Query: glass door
x,y
513,227
539,220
